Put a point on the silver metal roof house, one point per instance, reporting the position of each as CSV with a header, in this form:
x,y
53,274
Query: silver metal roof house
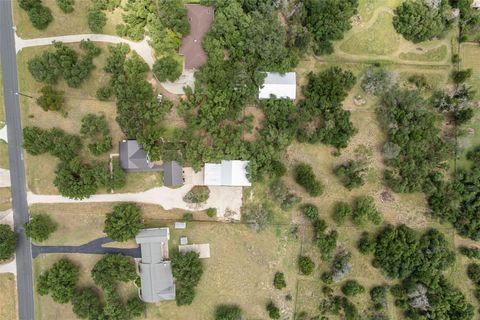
x,y
134,159
282,86
155,272
227,173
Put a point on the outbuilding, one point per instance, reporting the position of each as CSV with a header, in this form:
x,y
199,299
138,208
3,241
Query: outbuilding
x,y
280,86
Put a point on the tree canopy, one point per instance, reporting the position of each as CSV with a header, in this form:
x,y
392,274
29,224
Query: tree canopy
x,y
124,222
40,227
187,270
59,281
113,268
7,242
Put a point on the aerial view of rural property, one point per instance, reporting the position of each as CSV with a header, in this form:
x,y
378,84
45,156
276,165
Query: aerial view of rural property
x,y
240,159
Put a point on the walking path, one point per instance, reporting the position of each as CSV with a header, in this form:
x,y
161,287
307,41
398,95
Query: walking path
x,y
10,267
3,134
227,200
142,48
92,247
5,178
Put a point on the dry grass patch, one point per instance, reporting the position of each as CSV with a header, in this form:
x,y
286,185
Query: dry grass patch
x,y
63,23
4,163
240,271
436,54
5,199
8,306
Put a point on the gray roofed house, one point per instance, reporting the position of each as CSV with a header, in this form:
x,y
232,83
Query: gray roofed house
x,y
155,272
134,159
172,174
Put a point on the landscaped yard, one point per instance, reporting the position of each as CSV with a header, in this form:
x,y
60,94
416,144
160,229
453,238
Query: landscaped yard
x,y
63,23
78,102
8,307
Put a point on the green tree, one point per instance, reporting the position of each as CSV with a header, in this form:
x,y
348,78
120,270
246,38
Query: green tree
x,y
167,68
461,76
228,312
96,129
7,242
75,179
273,311
305,177
351,173
124,222
417,22
310,211
365,211
96,20
40,227
86,304
59,281
51,99
66,5
342,212
351,288
306,265
187,270
45,67
40,16
112,268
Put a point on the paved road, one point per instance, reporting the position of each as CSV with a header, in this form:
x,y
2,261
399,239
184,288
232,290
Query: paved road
x,y
17,169
92,247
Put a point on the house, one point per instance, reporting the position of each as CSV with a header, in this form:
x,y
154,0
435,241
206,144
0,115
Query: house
x,y
227,173
134,159
282,86
201,18
155,271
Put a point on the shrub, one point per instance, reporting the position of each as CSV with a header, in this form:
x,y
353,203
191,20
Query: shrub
x,y
40,227
305,177
228,312
327,277
310,211
365,211
282,197
378,293
187,216
66,5
461,76
7,242
273,311
51,99
198,194
366,244
377,81
95,128
278,169
341,265
342,212
167,68
124,222
306,265
211,212
59,281
326,241
104,93
257,216
352,288
279,280
472,253
473,272
351,173
96,20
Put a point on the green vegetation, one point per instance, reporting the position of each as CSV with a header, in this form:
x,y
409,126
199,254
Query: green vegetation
x,y
7,242
365,211
59,281
305,177
112,268
352,288
167,68
469,20
306,265
342,212
351,173
40,15
86,304
280,194
66,5
96,19
436,54
320,23
279,280
310,211
187,270
377,81
418,22
65,62
95,128
228,312
273,311
198,194
124,222
472,252
51,99
461,76
40,227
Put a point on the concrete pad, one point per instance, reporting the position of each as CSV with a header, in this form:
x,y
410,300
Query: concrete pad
x,y
5,178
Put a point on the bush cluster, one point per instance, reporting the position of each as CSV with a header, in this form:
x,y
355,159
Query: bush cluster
x,y
279,280
198,194
306,265
7,242
280,194
124,222
95,128
40,227
351,173
187,270
305,177
40,16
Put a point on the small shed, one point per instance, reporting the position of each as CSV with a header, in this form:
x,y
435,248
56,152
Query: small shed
x,y
183,240
180,225
281,86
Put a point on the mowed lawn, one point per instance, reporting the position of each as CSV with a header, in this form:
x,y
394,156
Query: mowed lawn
x,y
78,103
63,23
8,295
5,199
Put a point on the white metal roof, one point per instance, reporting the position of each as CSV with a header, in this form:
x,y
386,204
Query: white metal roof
x,y
279,85
226,173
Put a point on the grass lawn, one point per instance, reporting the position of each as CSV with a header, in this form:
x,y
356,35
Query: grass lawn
x,y
469,54
5,199
240,271
45,307
8,307
4,163
63,23
436,54
90,217
78,102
